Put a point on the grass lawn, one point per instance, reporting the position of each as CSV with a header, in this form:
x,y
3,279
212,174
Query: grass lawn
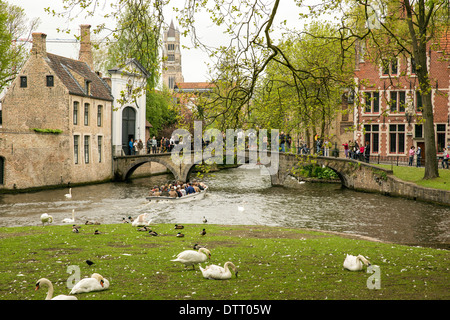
x,y
274,264
414,174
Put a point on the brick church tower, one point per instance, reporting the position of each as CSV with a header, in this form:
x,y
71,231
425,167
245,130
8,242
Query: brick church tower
x,y
171,68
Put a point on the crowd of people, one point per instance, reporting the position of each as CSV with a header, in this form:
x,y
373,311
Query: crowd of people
x,y
353,150
177,189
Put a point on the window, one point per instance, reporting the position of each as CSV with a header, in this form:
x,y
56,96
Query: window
x,y
397,138
99,115
75,112
440,137
49,81
171,57
76,148
389,67
398,101
86,149
372,100
171,82
86,114
171,47
23,82
419,105
372,135
87,87
2,170
418,131
99,143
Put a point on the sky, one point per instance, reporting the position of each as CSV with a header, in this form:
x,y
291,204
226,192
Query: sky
x,y
193,60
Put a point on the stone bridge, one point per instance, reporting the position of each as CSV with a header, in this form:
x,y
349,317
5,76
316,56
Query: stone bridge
x,y
353,174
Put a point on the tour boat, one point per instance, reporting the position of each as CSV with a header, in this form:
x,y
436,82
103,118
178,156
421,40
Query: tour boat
x,y
189,197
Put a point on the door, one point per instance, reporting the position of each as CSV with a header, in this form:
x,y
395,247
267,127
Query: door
x,y
128,127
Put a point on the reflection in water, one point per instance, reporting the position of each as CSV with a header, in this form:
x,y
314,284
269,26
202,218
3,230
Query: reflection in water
x,y
245,197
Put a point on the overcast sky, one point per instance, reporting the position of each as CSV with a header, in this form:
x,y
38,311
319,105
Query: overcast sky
x,y
193,61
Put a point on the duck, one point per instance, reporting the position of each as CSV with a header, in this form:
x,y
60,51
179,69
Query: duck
x,y
48,283
198,246
215,272
204,220
69,195
68,220
180,235
152,233
143,229
203,232
179,226
76,226
130,218
45,217
192,257
75,230
95,283
124,221
92,222
97,232
353,263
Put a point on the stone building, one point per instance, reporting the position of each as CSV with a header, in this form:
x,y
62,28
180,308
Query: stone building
x,y
171,67
388,104
56,121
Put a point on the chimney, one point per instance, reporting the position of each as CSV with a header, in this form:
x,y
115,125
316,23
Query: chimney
x,y
39,44
85,46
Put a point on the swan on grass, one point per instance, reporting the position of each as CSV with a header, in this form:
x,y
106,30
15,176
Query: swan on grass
x,y
140,221
219,273
355,263
48,283
191,257
68,220
69,195
95,283
46,218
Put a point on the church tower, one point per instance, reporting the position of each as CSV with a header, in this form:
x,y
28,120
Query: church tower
x,y
171,67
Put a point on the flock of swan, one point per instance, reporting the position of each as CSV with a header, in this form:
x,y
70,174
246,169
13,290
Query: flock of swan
x,y
188,257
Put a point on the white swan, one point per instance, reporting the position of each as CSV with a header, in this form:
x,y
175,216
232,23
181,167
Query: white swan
x,y
140,221
68,220
44,281
69,195
353,263
217,272
95,283
191,257
45,217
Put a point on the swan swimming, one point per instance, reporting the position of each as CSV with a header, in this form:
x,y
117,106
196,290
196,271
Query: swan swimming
x,y
191,257
69,195
45,217
48,283
95,283
353,263
68,220
217,272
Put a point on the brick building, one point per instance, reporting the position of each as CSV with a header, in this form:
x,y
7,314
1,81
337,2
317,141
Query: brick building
x,y
388,105
56,121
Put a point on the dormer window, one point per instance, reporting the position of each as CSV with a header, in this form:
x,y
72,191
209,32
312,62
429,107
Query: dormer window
x,y
87,87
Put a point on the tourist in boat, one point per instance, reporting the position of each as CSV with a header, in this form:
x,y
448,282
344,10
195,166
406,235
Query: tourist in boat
x,y
178,190
195,186
183,190
189,188
173,193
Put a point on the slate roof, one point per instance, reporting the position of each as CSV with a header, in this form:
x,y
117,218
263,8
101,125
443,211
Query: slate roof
x,y
67,70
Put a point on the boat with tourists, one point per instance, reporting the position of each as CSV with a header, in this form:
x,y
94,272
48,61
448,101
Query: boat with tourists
x,y
176,194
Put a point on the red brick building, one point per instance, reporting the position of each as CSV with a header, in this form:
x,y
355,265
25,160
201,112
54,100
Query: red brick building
x,y
388,105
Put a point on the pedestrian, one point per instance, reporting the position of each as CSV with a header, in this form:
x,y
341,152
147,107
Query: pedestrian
x,y
318,145
367,152
154,144
412,152
446,156
282,141
418,157
131,147
140,146
346,148
149,145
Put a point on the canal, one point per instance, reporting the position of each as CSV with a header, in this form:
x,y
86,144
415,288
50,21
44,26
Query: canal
x,y
243,196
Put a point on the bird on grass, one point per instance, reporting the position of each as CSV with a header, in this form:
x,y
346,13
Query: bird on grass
x,y
180,235
353,263
203,232
152,233
97,232
45,217
198,246
179,226
191,257
89,263
48,283
75,230
215,272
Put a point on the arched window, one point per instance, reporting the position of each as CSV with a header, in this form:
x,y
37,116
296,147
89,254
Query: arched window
x,y
128,127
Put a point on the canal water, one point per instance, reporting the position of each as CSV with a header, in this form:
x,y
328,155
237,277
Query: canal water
x,y
243,196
